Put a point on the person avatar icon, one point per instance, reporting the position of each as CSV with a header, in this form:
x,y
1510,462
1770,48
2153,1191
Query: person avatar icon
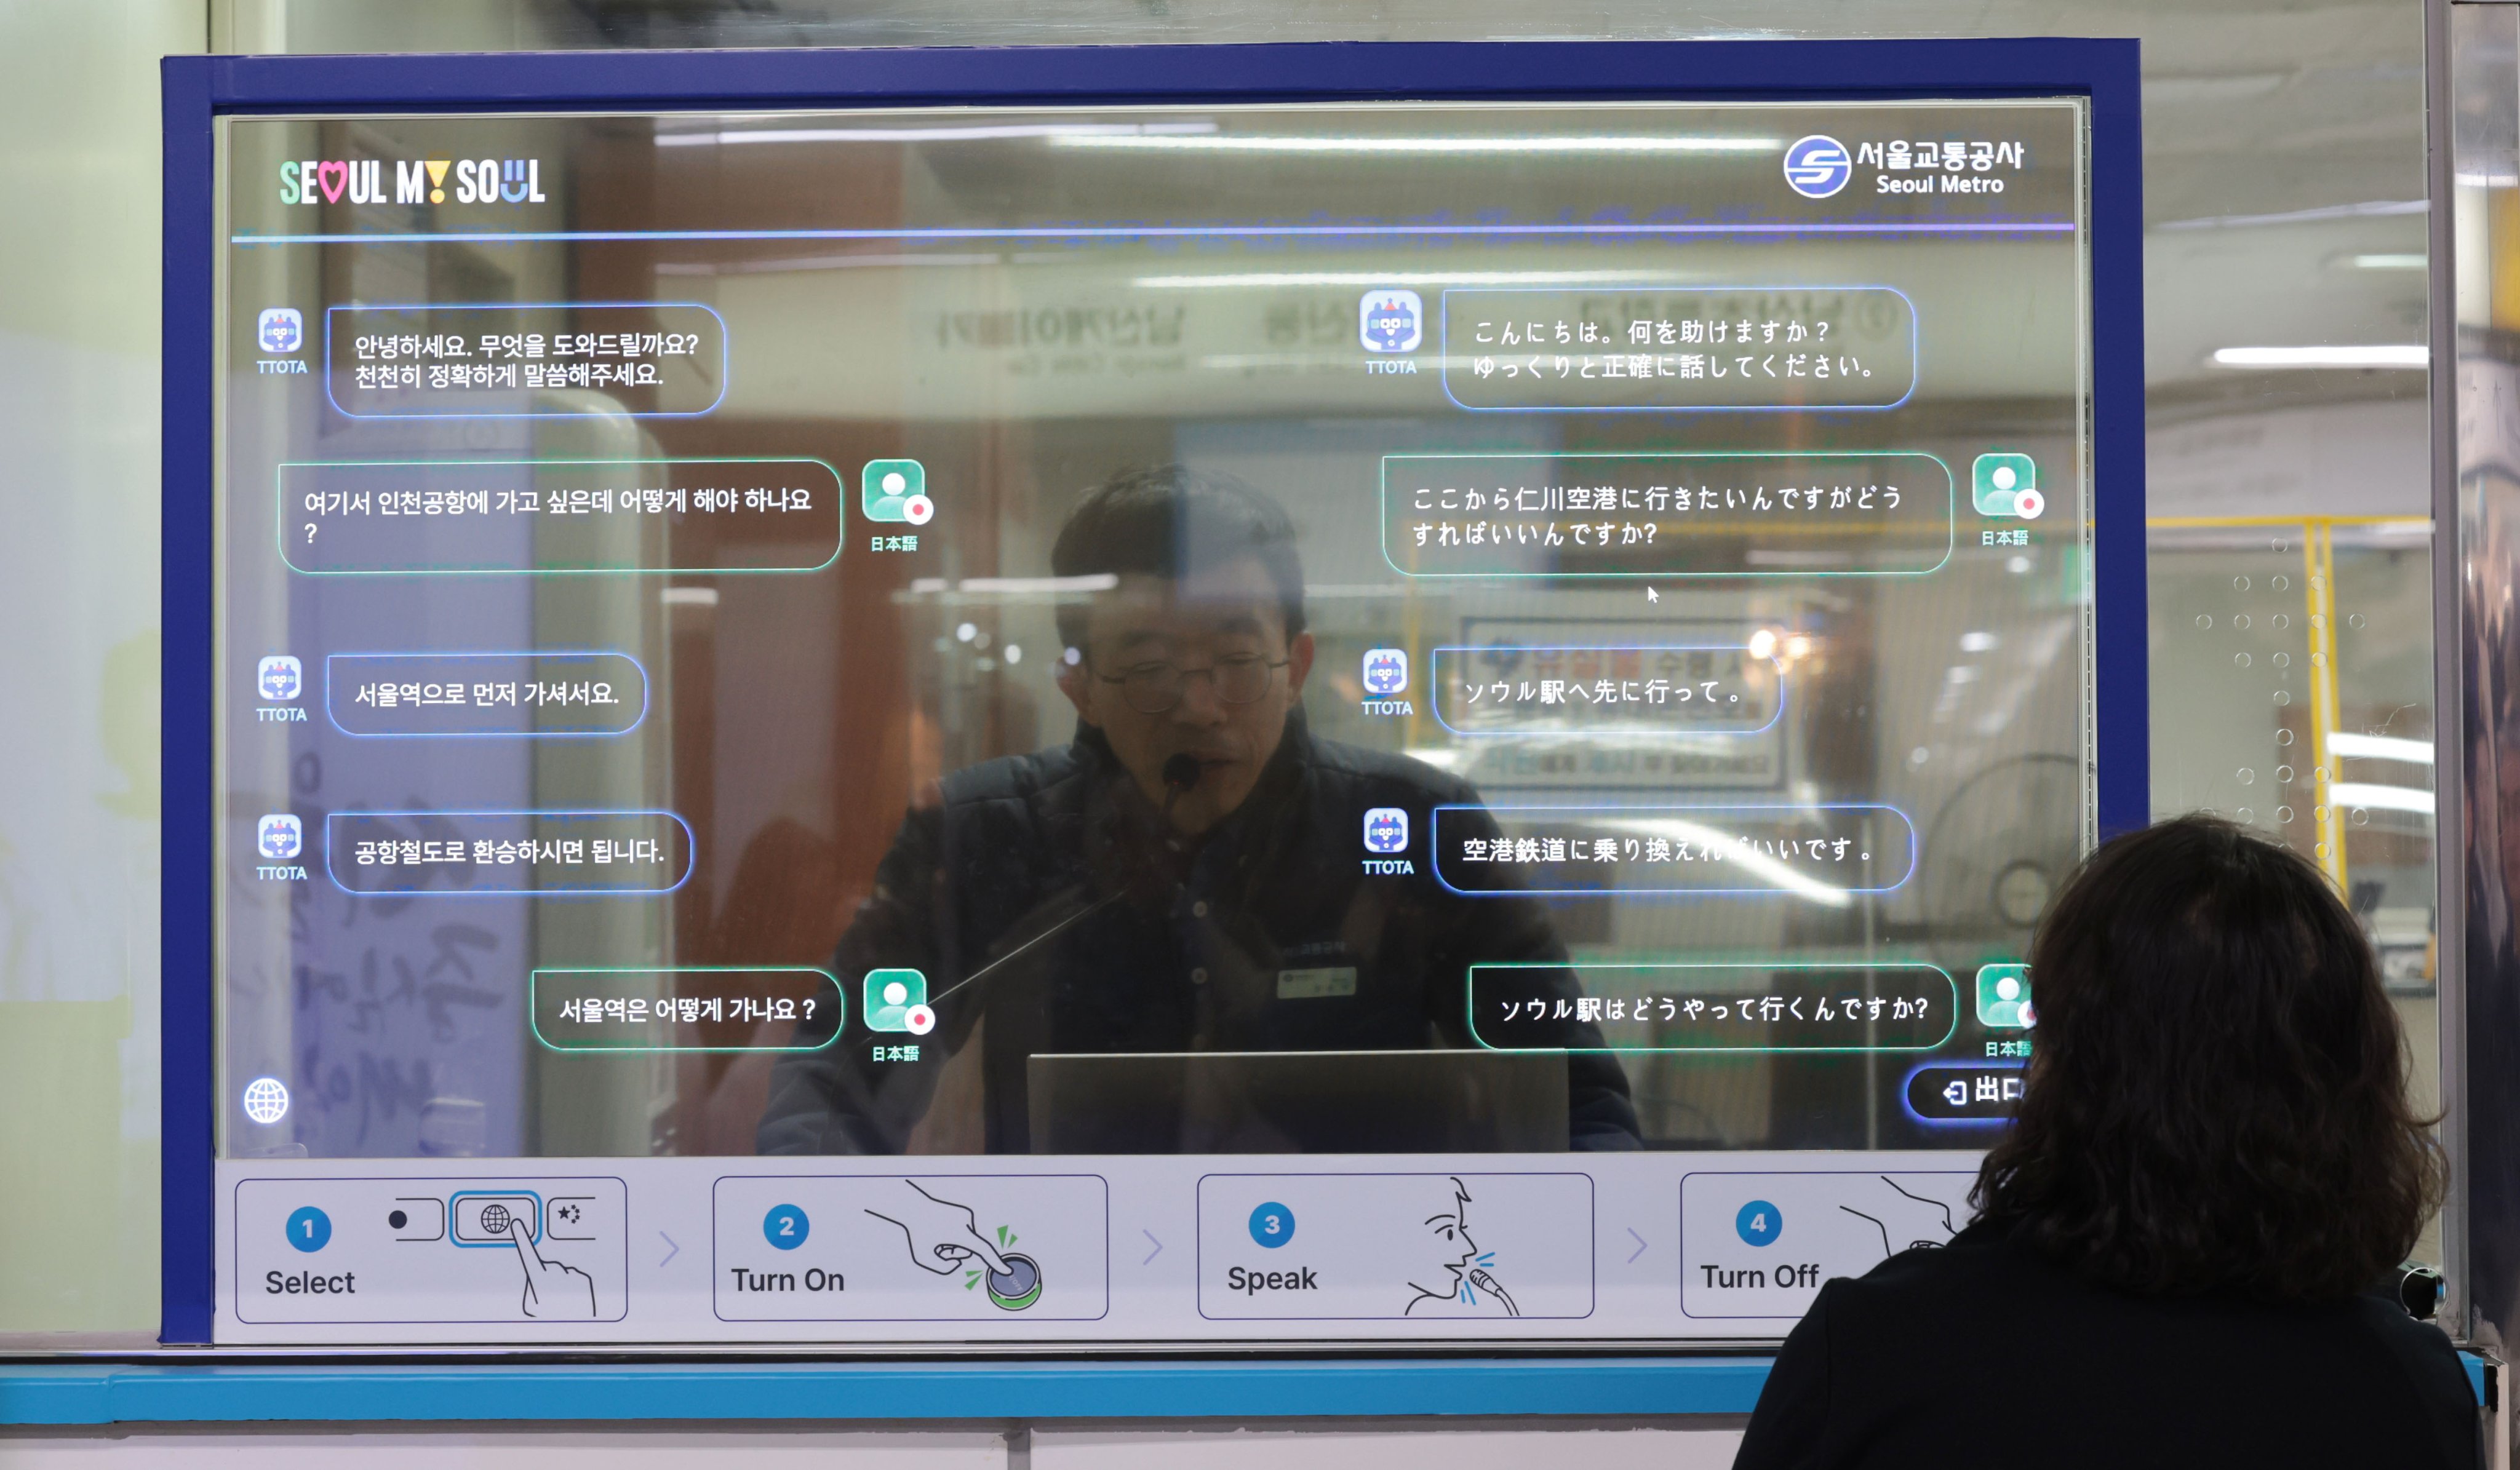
x,y
1451,1276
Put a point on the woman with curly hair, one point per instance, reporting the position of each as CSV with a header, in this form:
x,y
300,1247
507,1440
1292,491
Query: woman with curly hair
x,y
2179,1238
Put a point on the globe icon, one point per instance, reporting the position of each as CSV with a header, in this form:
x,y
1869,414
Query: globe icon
x,y
495,1218
266,1099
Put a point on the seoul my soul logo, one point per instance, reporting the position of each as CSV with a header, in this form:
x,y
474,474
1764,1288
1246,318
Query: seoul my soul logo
x,y
421,181
1818,166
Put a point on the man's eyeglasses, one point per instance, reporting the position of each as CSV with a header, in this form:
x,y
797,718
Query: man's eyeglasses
x,y
1152,688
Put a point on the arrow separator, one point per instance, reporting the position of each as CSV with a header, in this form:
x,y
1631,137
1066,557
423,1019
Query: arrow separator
x,y
1641,1245
671,1254
1158,1251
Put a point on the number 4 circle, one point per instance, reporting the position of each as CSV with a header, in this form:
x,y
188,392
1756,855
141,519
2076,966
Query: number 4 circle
x,y
1758,1223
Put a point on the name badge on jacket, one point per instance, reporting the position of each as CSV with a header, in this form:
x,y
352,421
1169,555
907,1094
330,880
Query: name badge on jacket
x,y
1314,985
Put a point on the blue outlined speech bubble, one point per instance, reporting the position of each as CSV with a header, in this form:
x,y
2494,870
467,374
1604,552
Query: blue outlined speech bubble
x,y
469,695
538,853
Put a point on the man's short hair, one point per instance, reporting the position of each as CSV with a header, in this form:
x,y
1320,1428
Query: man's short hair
x,y
1173,522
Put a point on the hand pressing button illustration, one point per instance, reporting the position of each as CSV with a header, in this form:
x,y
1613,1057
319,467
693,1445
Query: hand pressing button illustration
x,y
554,1290
943,1235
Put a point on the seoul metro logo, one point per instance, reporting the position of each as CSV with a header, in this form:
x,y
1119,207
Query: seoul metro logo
x,y
420,181
1818,166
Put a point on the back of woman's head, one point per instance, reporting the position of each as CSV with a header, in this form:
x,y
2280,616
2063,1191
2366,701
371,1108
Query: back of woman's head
x,y
2218,1095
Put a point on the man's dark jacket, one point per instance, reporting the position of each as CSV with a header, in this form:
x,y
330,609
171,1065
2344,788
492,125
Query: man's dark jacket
x,y
1183,947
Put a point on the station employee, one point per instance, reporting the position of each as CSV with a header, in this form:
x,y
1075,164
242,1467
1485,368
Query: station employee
x,y
1187,874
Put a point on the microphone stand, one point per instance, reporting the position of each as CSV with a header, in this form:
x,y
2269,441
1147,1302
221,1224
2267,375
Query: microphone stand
x,y
1181,774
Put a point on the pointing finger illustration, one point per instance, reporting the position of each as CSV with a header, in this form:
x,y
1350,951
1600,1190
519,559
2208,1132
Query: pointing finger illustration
x,y
528,1259
553,1288
980,1246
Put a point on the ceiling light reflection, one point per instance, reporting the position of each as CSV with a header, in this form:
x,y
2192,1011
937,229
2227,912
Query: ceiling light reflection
x,y
2372,747
1372,279
1258,143
975,132
2347,355
2346,793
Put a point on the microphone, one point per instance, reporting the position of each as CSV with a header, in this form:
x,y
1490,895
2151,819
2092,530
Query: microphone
x,y
1181,774
1051,932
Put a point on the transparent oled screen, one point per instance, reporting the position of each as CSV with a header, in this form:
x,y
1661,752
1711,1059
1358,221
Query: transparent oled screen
x,y
1202,629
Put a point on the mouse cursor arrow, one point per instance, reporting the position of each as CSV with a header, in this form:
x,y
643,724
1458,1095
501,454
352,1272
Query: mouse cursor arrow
x,y
1652,596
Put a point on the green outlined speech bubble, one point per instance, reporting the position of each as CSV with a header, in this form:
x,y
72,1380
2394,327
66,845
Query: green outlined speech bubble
x,y
556,517
684,1007
1746,1007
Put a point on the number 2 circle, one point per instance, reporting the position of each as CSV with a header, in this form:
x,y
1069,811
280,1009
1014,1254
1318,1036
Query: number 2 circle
x,y
785,1227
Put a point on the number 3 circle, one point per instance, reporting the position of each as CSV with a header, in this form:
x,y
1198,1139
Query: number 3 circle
x,y
1273,1225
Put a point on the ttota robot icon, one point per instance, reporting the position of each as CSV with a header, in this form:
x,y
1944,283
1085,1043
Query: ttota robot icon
x,y
280,836
1391,320
280,330
1386,672
1387,830
279,678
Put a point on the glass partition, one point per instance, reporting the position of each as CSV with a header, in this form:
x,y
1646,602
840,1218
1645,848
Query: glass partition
x,y
1175,632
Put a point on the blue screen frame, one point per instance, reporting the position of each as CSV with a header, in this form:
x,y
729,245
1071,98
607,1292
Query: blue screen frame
x,y
197,90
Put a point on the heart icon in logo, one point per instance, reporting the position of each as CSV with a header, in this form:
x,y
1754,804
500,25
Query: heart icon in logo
x,y
332,178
